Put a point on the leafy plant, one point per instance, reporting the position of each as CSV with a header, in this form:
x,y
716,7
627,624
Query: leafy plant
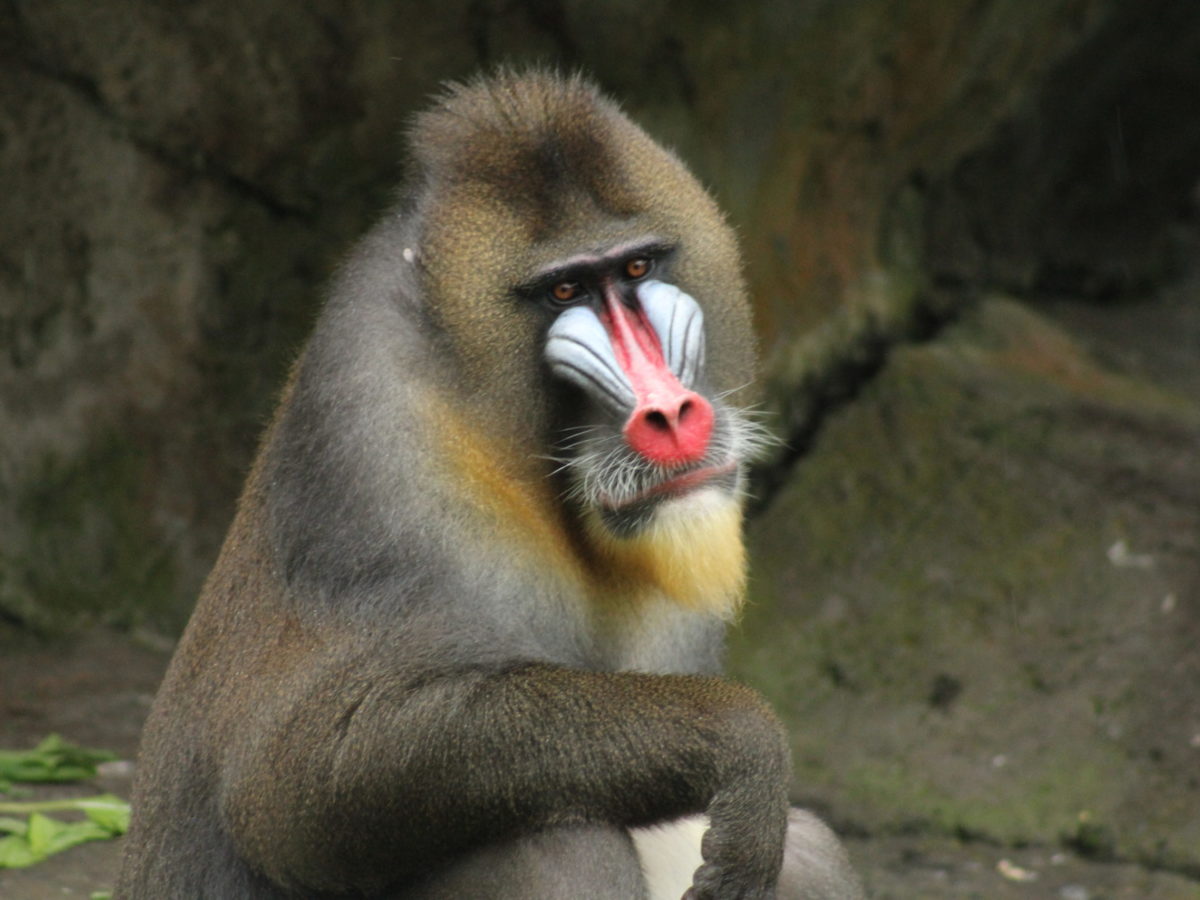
x,y
53,760
37,835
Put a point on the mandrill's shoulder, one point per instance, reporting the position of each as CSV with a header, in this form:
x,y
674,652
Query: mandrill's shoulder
x,y
374,334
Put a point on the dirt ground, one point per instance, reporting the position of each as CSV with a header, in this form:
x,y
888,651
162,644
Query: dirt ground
x,y
96,689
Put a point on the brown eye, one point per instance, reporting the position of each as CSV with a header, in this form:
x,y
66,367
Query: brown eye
x,y
564,291
636,268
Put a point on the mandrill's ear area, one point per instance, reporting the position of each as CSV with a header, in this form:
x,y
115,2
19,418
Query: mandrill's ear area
x,y
509,173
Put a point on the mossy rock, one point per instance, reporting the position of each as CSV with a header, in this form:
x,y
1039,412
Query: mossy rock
x,y
88,547
975,602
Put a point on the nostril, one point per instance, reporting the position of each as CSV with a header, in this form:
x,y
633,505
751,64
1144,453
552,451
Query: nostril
x,y
673,432
657,420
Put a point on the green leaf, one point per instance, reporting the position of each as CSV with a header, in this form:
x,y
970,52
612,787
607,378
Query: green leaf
x,y
104,804
108,811
47,836
51,760
41,836
42,830
74,833
101,895
13,826
15,852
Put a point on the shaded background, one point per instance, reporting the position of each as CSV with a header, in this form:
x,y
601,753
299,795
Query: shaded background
x,y
971,234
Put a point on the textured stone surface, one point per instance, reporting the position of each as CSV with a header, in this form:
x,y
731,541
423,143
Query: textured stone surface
x,y
178,183
988,569
1071,194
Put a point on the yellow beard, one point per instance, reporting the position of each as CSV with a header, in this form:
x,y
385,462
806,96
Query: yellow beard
x,y
691,552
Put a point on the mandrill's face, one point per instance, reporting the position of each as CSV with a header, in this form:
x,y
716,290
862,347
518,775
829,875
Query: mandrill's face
x,y
593,295
652,434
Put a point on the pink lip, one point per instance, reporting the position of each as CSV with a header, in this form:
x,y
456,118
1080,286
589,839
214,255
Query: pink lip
x,y
682,484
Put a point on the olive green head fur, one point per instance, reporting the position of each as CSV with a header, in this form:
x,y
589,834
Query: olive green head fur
x,y
523,169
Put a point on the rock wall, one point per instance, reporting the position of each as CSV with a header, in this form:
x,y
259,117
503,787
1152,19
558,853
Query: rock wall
x,y
988,568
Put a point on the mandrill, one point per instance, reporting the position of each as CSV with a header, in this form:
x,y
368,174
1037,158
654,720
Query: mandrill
x,y
464,637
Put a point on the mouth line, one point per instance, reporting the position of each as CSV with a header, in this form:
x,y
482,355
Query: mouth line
x,y
681,484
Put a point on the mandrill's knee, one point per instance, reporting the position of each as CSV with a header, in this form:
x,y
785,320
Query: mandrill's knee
x,y
815,864
566,863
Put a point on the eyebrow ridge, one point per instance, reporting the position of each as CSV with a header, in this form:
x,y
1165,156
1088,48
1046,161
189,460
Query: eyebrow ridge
x,y
559,270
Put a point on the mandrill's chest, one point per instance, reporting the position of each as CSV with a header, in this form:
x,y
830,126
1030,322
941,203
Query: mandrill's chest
x,y
661,637
660,601
656,600
689,555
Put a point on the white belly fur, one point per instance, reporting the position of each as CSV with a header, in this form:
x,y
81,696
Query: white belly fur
x,y
670,855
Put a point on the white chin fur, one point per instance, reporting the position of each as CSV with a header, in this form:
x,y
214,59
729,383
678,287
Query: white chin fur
x,y
670,855
692,505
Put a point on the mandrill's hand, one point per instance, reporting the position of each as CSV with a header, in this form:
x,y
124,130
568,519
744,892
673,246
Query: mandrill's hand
x,y
743,847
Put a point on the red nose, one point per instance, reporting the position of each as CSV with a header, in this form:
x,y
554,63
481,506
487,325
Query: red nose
x,y
670,424
671,428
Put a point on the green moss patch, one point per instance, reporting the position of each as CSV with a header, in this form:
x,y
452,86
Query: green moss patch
x,y
973,600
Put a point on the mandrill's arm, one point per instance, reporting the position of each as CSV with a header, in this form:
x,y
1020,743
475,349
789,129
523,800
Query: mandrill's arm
x,y
369,783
